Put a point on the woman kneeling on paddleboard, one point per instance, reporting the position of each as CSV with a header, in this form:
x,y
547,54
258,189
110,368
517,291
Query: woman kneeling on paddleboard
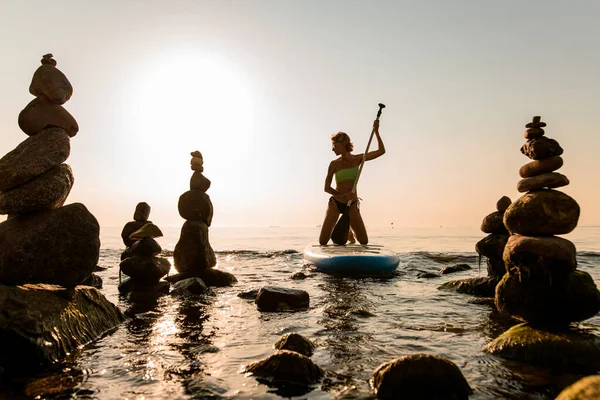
x,y
346,171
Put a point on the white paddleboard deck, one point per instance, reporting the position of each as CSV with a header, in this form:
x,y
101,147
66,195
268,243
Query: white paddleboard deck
x,y
352,259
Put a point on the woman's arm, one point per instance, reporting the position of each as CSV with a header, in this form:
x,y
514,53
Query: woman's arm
x,y
328,179
380,147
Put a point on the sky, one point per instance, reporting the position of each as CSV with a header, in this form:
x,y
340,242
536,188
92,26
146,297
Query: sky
x,y
259,86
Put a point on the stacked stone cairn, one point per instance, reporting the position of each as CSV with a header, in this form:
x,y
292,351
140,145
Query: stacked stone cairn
x,y
491,247
542,286
193,255
140,261
47,250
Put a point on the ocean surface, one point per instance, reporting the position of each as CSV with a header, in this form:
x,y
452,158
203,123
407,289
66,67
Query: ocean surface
x,y
179,348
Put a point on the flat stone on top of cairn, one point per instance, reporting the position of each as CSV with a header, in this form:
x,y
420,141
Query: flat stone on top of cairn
x,y
543,286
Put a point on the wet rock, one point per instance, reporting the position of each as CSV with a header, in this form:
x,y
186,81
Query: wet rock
x,y
496,267
569,350
541,147
546,302
539,167
59,246
217,278
542,213
540,256
44,324
295,342
287,367
128,229
33,157
455,268
427,275
145,247
44,192
503,204
190,286
484,286
420,376
142,212
298,275
145,270
584,389
548,180
49,82
249,294
195,205
493,223
93,280
193,251
271,298
148,293
492,246
40,114
199,182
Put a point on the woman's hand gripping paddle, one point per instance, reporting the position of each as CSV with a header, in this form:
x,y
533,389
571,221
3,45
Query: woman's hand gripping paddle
x,y
339,235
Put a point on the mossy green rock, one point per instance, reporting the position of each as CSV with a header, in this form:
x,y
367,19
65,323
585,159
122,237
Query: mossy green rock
x,y
569,350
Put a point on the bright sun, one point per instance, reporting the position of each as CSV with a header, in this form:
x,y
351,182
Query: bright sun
x,y
189,100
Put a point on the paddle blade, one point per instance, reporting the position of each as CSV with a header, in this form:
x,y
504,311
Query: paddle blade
x,y
339,235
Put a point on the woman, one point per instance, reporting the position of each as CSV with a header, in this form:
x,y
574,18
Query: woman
x,y
345,169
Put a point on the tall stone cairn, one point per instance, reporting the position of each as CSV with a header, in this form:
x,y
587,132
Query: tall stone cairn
x,y
42,241
193,255
492,246
542,285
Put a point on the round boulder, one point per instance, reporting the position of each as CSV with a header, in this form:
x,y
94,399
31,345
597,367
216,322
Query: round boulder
x,y
145,247
193,252
49,82
199,182
492,246
142,212
493,223
295,342
146,270
584,389
287,367
420,376
503,204
539,167
542,213
271,298
195,205
540,256
40,114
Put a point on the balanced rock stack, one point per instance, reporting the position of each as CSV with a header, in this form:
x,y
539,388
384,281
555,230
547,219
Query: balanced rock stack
x,y
42,241
492,246
542,285
140,218
46,250
193,255
143,266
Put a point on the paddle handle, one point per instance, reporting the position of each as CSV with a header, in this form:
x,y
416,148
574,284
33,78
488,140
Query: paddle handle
x,y
364,158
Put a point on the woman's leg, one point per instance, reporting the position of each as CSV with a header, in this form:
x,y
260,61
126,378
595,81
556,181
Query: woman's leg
x,y
357,224
331,217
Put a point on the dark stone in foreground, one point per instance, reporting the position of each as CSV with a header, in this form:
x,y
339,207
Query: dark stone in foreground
x,y
33,157
297,343
569,350
287,367
271,298
542,213
420,376
59,246
583,389
41,324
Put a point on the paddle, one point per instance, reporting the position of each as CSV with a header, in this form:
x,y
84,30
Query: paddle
x,y
339,235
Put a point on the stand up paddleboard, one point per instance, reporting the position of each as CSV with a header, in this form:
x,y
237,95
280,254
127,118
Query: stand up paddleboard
x,y
352,259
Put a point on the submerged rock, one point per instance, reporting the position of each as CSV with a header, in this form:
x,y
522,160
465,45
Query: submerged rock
x,y
287,367
296,342
455,268
569,350
42,323
271,298
484,286
420,376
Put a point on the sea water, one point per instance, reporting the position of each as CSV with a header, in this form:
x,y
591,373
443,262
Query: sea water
x,y
197,348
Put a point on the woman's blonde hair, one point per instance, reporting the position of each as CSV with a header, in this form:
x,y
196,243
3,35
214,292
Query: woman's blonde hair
x,y
342,137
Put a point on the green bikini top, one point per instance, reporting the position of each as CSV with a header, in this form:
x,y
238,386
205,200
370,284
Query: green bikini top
x,y
346,174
